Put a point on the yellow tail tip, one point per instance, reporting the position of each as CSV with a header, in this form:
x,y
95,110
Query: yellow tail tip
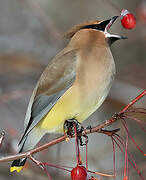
x,y
16,168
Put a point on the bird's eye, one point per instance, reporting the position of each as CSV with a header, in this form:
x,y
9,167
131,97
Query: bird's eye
x,y
101,26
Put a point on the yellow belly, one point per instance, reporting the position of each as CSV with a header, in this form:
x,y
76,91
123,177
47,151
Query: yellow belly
x,y
73,104
66,108
91,86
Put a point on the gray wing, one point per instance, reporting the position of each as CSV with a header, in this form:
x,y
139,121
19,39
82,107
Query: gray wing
x,y
53,83
41,106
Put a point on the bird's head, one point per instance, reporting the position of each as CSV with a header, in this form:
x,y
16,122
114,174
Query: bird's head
x,y
99,26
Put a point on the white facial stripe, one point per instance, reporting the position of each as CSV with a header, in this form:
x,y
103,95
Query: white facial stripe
x,y
108,35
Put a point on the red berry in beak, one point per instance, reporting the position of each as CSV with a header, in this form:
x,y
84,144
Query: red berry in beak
x,y
79,173
128,20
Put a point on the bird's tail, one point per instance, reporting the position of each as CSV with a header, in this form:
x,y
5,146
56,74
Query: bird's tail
x,y
18,165
28,142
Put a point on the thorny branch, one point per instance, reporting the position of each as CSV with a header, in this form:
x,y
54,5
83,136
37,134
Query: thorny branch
x,y
98,129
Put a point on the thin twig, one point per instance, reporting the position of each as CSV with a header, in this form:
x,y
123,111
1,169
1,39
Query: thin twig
x,y
98,128
101,174
114,157
133,101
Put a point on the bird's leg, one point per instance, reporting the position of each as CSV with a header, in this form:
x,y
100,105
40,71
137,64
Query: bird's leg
x,y
81,140
81,137
89,127
69,130
69,127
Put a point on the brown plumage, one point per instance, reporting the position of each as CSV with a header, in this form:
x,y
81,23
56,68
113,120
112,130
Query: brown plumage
x,y
73,85
69,34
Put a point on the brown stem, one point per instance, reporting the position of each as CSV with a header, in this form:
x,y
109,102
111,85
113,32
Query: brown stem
x,y
133,101
98,128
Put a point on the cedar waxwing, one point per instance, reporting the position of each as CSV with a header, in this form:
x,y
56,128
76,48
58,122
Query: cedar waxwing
x,y
73,85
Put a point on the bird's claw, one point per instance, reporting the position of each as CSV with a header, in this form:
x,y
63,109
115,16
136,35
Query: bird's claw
x,y
69,127
69,130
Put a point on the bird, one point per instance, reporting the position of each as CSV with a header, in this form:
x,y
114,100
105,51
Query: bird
x,y
73,85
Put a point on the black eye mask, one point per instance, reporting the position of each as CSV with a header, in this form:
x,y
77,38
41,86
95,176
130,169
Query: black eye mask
x,y
101,26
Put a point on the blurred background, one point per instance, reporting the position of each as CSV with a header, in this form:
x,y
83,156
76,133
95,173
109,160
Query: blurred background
x,y
31,33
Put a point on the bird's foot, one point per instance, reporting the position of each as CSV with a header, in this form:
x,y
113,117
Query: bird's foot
x,y
71,127
85,136
81,140
89,128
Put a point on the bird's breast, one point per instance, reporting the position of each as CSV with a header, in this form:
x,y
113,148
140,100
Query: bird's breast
x,y
94,76
94,82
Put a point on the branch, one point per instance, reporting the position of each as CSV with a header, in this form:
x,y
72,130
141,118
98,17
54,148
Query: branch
x,y
133,101
98,129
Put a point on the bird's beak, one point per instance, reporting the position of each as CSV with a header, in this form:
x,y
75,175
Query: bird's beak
x,y
109,24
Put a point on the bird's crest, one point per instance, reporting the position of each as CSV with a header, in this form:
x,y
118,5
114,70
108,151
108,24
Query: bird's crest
x,y
69,34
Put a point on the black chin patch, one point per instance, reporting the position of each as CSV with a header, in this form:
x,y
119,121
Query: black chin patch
x,y
111,40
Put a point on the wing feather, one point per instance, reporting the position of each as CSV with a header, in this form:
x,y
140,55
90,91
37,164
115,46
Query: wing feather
x,y
54,81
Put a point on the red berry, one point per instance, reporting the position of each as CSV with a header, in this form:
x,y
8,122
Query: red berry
x,y
79,173
128,20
